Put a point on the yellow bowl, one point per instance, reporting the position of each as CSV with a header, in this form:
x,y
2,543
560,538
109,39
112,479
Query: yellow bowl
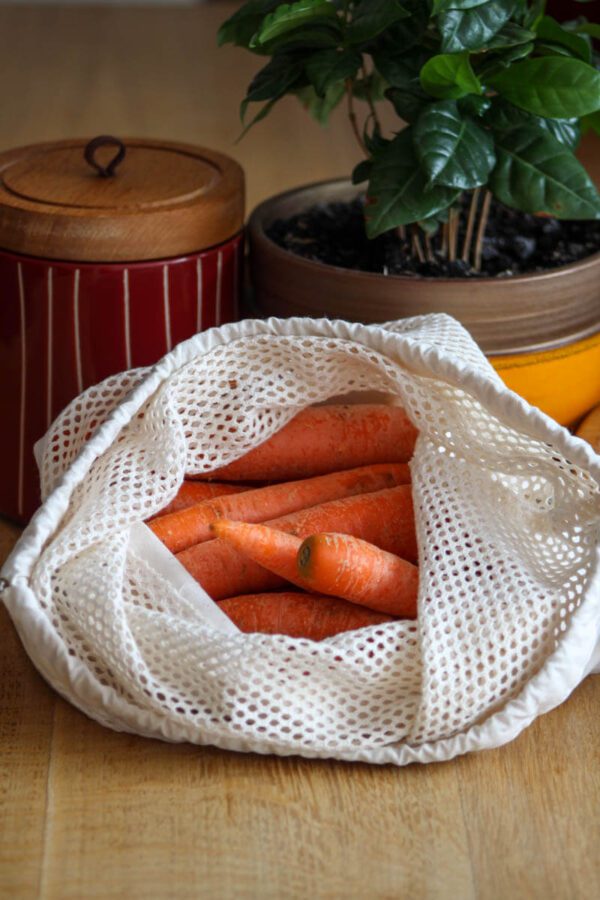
x,y
563,382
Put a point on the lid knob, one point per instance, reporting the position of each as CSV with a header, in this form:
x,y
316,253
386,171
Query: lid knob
x,y
104,140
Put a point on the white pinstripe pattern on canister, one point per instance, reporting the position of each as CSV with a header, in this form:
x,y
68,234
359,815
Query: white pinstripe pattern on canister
x,y
219,286
23,392
199,294
76,334
166,308
126,320
50,292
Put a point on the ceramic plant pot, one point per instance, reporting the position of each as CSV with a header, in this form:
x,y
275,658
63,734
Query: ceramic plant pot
x,y
540,331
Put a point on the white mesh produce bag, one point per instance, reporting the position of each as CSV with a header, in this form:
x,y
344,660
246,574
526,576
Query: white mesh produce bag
x,y
507,507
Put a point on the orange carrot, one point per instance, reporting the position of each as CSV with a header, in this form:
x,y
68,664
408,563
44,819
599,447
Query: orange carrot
x,y
298,615
384,518
192,492
348,567
182,529
326,439
275,550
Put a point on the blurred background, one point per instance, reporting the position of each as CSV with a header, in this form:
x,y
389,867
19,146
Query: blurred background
x,y
153,69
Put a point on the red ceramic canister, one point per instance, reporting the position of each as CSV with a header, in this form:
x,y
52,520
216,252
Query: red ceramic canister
x,y
111,253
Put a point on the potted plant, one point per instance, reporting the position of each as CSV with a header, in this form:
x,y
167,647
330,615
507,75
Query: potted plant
x,y
466,196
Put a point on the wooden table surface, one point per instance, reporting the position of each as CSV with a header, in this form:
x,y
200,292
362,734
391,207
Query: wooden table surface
x,y
88,813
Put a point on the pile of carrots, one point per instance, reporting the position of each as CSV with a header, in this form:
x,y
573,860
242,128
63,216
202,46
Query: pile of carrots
x,y
325,544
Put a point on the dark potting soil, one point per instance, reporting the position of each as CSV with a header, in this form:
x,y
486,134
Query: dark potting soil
x,y
515,243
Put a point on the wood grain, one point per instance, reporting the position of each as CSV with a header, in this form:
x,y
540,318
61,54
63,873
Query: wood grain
x,y
165,199
88,813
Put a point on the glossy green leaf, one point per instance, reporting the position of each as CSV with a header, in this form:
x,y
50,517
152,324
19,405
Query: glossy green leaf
x,y
553,87
449,75
471,29
398,193
371,17
288,16
452,149
503,116
472,105
443,5
240,28
499,60
331,66
550,31
537,174
510,35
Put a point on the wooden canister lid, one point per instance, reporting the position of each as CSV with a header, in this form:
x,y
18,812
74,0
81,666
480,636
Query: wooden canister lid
x,y
133,200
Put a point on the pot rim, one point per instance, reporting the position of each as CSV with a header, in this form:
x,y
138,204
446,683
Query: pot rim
x,y
256,228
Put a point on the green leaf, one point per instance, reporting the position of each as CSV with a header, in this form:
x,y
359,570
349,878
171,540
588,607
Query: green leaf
x,y
409,33
408,101
362,171
449,75
272,81
510,35
550,31
443,5
453,151
374,142
261,114
500,60
372,88
319,107
590,123
399,70
589,28
553,87
371,17
293,15
240,28
398,193
472,105
503,116
534,13
537,174
325,35
471,29
330,66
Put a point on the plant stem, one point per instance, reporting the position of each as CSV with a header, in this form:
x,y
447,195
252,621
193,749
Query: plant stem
x,y
352,117
452,233
416,245
466,252
429,249
370,99
483,219
444,246
401,232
